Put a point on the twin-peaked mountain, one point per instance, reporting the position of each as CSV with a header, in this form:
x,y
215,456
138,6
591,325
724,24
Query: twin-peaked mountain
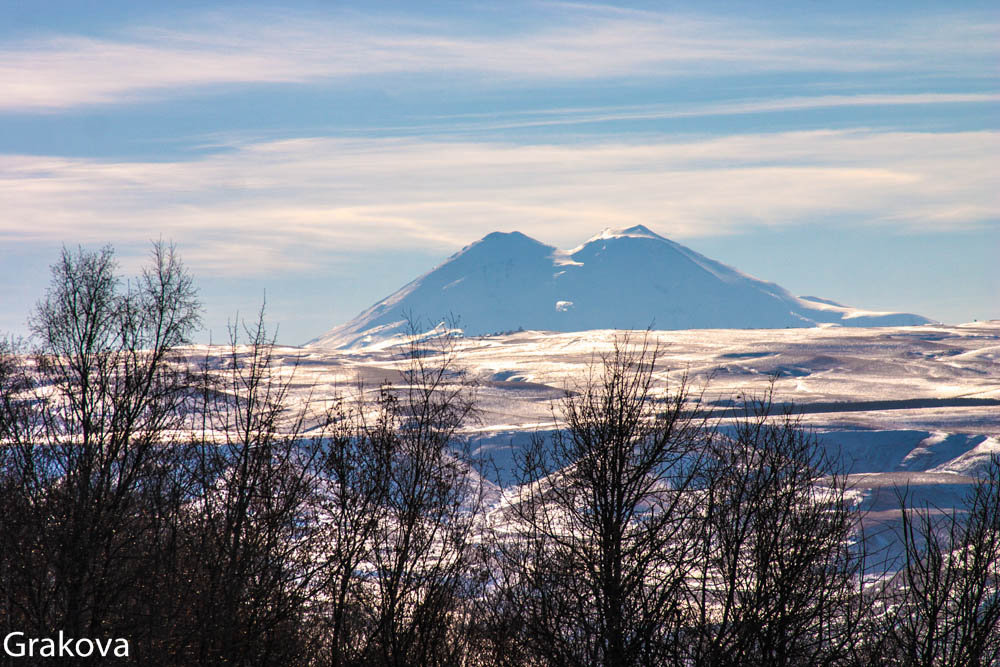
x,y
619,279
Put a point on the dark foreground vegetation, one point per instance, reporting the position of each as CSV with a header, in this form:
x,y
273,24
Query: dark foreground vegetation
x,y
191,508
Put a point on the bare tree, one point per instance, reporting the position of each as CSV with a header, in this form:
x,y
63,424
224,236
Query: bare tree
x,y
250,530
431,503
945,600
596,545
351,504
779,574
84,422
402,505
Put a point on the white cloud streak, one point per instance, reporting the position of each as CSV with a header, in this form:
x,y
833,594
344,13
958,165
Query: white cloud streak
x,y
65,71
589,115
277,206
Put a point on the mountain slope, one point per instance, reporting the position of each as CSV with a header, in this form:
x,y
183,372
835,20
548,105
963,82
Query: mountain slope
x,y
620,279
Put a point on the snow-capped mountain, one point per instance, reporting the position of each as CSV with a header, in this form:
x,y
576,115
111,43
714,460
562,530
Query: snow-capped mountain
x,y
619,279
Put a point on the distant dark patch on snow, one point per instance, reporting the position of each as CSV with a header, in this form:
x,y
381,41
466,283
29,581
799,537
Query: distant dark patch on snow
x,y
930,337
730,370
745,355
507,376
822,362
862,406
421,352
790,371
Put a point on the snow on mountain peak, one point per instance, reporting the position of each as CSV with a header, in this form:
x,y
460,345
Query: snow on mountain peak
x,y
505,243
608,233
619,279
637,231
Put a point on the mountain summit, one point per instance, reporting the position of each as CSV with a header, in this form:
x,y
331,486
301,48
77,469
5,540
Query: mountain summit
x,y
619,279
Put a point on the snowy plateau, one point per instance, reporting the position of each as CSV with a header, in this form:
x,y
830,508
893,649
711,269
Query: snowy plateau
x,y
899,400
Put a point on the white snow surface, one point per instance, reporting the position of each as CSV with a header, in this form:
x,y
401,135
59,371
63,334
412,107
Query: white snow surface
x,y
897,405
618,279
914,408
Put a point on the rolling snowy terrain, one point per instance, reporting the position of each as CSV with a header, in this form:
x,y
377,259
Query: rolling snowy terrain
x,y
620,279
915,406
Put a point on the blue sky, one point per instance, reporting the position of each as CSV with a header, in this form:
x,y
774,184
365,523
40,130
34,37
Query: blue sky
x,y
324,153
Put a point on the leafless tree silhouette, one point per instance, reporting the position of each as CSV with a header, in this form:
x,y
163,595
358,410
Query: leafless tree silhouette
x,y
779,578
599,540
945,600
85,423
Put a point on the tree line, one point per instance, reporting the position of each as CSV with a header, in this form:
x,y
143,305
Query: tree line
x,y
188,505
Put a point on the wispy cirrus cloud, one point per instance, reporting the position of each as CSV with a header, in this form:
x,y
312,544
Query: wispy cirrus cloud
x,y
272,206
513,119
577,42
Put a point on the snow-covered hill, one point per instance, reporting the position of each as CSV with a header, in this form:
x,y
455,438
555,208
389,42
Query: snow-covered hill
x,y
619,279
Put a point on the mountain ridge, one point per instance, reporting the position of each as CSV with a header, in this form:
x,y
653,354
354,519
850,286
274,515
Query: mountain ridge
x,y
618,279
